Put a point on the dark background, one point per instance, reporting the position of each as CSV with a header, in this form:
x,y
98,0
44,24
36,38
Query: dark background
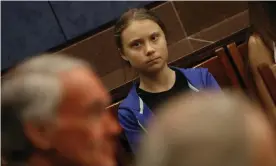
x,y
30,27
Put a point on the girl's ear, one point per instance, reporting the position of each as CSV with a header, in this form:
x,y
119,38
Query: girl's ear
x,y
123,55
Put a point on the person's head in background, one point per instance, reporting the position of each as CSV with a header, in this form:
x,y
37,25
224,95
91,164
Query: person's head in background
x,y
211,129
53,112
141,40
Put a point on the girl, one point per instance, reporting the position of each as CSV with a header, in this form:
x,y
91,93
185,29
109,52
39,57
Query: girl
x,y
141,40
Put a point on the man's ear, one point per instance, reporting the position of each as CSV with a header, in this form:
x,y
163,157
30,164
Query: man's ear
x,y
39,135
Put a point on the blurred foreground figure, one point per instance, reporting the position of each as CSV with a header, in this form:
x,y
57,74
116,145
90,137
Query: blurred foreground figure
x,y
212,129
53,114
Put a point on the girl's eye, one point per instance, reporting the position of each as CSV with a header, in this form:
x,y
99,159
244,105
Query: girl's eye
x,y
154,37
136,44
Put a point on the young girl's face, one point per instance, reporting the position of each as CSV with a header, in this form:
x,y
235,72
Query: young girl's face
x,y
144,45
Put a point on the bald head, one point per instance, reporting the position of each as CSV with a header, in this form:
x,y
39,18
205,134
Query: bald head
x,y
210,129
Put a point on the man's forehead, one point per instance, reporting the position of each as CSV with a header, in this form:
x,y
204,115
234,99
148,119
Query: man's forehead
x,y
79,75
83,82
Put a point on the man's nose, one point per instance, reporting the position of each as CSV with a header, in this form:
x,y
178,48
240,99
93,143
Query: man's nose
x,y
112,125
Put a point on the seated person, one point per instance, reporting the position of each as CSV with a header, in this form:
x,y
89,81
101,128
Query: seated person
x,y
141,40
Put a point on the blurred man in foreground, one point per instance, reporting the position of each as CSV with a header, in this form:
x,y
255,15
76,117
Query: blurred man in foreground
x,y
53,114
212,129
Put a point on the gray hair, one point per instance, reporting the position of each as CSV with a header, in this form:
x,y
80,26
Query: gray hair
x,y
196,130
32,92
